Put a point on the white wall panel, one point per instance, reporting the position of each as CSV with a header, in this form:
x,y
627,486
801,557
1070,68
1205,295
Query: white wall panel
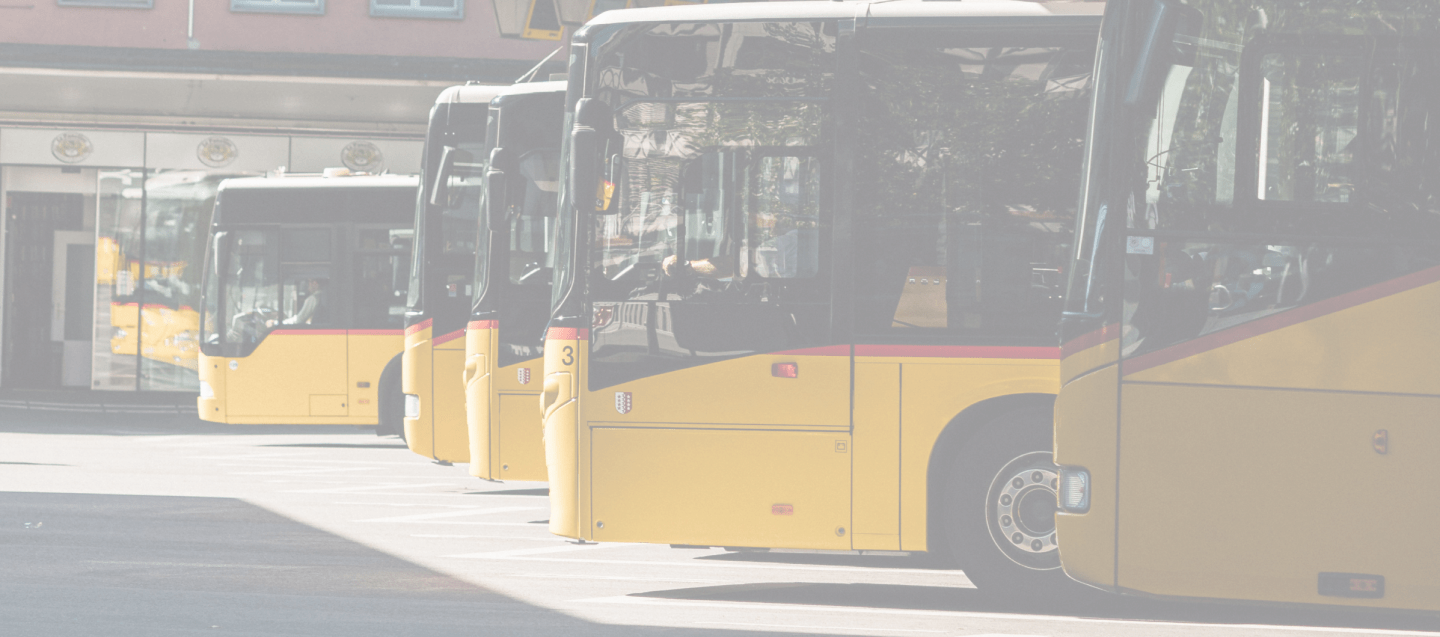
x,y
314,154
92,148
240,153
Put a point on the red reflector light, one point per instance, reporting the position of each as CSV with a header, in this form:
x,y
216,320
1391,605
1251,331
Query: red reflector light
x,y
785,370
782,509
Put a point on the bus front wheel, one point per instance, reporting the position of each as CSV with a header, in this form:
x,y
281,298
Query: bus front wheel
x,y
999,507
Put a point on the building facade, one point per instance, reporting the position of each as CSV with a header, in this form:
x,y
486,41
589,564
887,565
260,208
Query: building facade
x,y
118,119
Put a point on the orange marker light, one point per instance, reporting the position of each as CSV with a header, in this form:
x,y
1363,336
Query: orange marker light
x,y
782,509
785,370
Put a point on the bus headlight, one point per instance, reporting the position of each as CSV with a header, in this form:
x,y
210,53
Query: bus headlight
x,y
206,391
412,406
1074,490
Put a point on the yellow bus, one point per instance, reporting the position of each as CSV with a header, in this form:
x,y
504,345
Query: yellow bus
x,y
504,339
303,300
1251,374
809,276
431,418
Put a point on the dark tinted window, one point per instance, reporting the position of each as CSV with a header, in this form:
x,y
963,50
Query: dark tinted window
x,y
966,182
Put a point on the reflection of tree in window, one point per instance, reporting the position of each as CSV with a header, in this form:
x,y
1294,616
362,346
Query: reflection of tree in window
x,y
966,180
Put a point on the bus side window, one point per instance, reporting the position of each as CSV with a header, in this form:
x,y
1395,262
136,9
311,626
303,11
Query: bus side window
x,y
307,296
377,304
783,217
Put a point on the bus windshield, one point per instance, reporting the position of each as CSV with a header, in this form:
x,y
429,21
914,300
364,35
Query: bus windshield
x,y
1265,120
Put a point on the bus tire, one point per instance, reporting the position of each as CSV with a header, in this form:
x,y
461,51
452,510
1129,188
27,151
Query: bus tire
x,y
391,402
999,508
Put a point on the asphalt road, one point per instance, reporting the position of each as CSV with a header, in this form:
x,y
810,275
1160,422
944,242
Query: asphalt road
x,y
143,526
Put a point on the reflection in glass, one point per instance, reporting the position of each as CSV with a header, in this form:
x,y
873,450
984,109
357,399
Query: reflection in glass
x,y
115,360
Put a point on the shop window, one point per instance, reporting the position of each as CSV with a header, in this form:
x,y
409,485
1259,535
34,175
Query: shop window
x,y
119,4
316,7
443,9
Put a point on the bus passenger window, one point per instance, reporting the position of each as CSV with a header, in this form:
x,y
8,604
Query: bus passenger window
x,y
306,298
1309,120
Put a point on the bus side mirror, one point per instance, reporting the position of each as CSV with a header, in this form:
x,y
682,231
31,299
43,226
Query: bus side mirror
x,y
440,188
496,199
585,142
1159,51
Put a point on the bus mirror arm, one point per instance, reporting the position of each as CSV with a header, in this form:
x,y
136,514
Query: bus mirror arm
x,y
1151,62
439,190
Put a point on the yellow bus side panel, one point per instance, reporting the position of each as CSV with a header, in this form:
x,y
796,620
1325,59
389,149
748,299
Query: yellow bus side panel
x,y
1088,353
329,405
369,353
932,393
740,391
522,445
778,489
479,351
280,376
1086,413
415,378
447,407
1260,511
212,371
876,457
1399,353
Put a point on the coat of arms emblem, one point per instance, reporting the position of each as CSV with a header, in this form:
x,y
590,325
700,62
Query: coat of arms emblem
x,y
623,402
523,375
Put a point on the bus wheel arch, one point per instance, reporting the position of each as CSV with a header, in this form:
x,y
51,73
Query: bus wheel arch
x,y
966,492
391,401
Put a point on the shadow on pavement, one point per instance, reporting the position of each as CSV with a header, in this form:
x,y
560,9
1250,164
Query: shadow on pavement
x,y
121,424
544,492
1083,603
914,560
118,565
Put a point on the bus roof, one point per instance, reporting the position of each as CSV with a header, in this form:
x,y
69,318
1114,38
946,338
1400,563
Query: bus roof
x,y
812,10
316,181
470,94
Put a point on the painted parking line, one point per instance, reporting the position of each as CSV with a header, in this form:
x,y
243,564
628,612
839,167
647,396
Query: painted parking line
x,y
427,517
296,472
373,487
799,608
537,551
829,628
963,581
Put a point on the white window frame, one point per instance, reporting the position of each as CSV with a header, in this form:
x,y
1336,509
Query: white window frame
x,y
313,7
416,11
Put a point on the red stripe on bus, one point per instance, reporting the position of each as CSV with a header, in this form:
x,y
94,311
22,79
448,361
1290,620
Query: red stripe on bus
x,y
376,332
422,325
483,325
958,351
567,334
449,337
827,350
307,332
1090,339
1278,321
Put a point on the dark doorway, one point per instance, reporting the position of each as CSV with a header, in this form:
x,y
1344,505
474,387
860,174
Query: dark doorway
x,y
32,358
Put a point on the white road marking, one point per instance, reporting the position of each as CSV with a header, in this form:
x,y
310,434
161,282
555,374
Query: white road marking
x,y
296,472
617,578
373,487
544,549
194,564
796,627
444,536
426,517
965,583
651,601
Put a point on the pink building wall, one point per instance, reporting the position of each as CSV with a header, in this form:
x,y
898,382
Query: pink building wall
x,y
345,28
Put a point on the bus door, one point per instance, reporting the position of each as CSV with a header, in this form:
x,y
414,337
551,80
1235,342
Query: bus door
x,y
1271,381
376,329
283,311
717,406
